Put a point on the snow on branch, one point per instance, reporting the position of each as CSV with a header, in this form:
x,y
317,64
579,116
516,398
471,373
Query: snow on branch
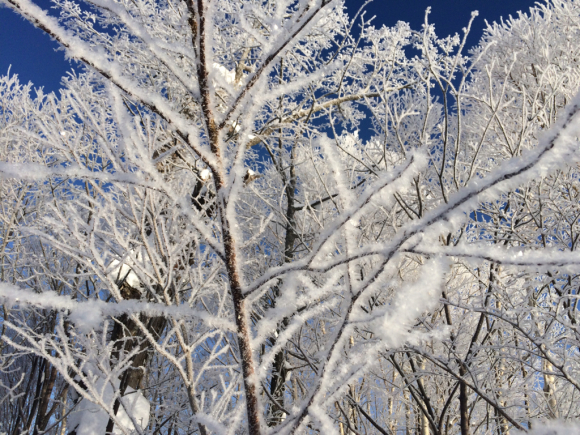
x,y
91,313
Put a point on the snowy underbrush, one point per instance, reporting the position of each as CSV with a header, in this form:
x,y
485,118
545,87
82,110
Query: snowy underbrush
x,y
554,428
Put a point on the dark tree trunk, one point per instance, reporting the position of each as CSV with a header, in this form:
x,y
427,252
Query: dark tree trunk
x,y
463,404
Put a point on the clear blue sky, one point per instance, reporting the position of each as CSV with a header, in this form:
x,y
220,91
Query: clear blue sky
x,y
33,57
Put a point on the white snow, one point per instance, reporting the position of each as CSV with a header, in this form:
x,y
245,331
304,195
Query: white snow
x,y
205,174
91,419
553,428
123,273
229,76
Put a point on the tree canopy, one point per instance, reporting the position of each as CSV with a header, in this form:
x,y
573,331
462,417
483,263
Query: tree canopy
x,y
270,216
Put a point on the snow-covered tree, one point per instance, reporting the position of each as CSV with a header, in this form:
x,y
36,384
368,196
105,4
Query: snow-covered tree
x,y
272,217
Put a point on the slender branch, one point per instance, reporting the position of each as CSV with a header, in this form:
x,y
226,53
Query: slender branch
x,y
268,61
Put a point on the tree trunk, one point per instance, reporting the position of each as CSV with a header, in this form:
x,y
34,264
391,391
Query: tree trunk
x,y
463,404
549,389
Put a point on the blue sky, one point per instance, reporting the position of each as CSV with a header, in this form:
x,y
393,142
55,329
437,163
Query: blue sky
x,y
33,55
